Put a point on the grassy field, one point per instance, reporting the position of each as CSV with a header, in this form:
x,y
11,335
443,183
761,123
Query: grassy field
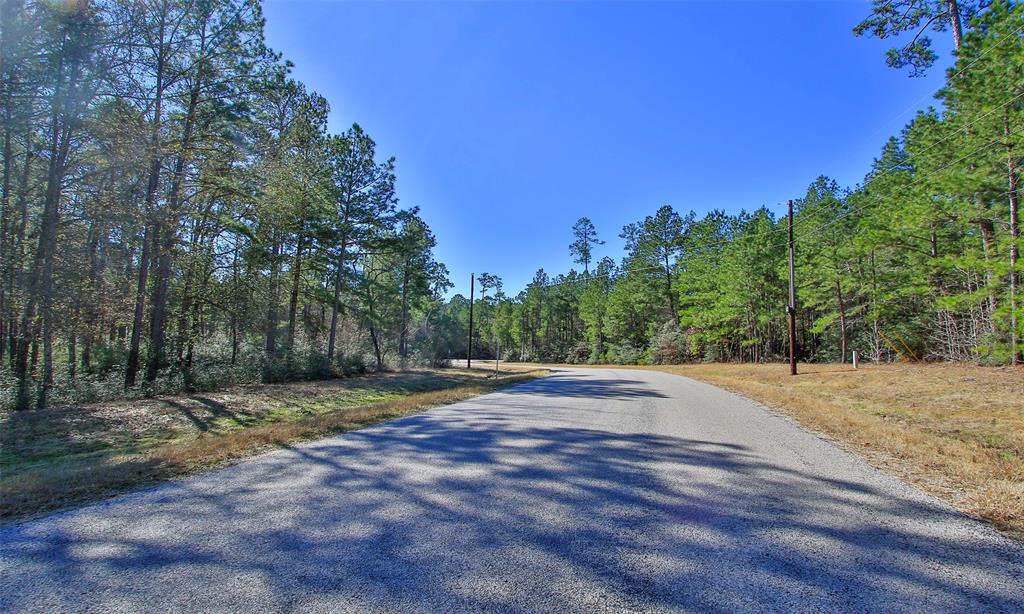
x,y
956,431
56,457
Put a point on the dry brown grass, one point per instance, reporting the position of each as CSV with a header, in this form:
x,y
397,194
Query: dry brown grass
x,y
46,466
956,431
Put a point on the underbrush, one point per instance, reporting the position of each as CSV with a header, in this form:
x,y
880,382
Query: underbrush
x,y
215,370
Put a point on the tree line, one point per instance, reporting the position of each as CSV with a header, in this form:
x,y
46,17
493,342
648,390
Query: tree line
x,y
919,261
175,213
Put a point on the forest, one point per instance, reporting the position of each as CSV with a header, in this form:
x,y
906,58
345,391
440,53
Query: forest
x,y
917,262
177,216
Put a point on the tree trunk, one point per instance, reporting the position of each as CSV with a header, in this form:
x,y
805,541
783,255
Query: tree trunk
x,y
988,229
1013,176
8,11
234,306
185,310
188,297
671,297
5,214
34,360
17,248
196,331
92,309
234,338
842,321
376,348
151,234
955,23
132,366
72,359
271,324
875,326
41,279
293,299
403,335
339,275
164,249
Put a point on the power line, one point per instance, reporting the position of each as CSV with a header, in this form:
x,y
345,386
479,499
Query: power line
x,y
930,148
985,51
722,242
946,138
973,120
959,73
916,181
875,177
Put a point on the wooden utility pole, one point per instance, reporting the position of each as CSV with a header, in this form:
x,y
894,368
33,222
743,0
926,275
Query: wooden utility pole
x,y
469,347
791,309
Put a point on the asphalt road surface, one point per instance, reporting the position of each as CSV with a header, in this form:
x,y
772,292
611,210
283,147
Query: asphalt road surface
x,y
589,490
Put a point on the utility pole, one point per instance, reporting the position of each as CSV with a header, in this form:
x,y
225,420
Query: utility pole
x,y
469,347
791,309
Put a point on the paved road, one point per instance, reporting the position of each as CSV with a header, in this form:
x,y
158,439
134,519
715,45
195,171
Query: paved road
x,y
588,490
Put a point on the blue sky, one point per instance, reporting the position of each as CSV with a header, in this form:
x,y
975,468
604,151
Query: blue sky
x,y
511,120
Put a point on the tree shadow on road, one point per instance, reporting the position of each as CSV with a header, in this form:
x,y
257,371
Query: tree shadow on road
x,y
471,511
575,385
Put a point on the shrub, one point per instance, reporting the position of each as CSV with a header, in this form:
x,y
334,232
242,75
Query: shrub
x,y
669,346
625,354
579,354
351,364
317,366
107,358
274,370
